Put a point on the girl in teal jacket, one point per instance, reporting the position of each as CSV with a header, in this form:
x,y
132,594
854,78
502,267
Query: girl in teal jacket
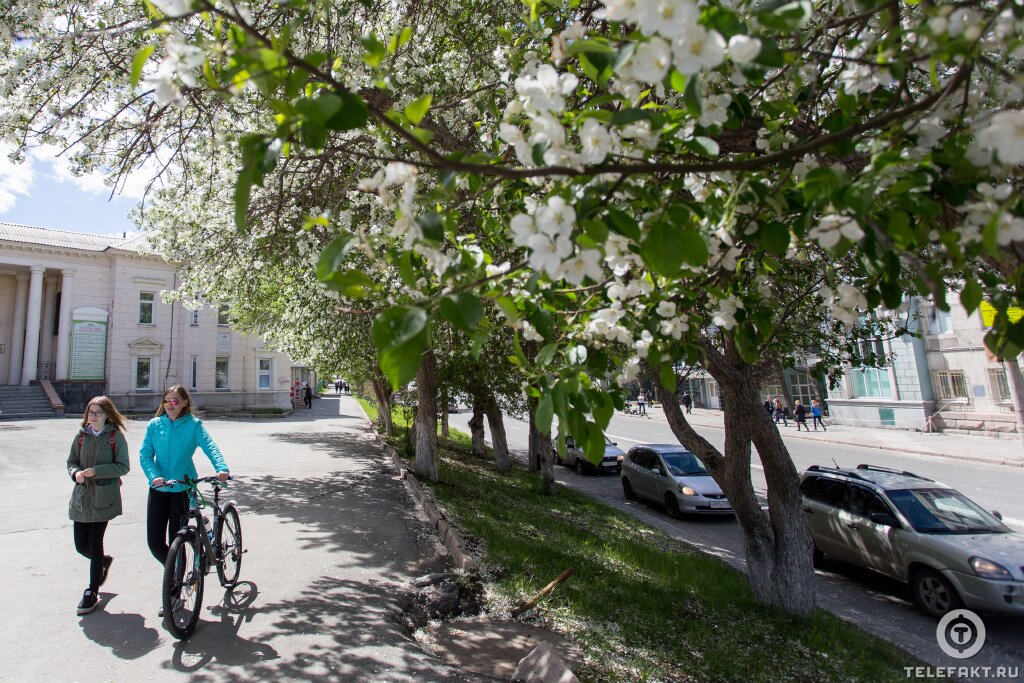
x,y
98,458
171,440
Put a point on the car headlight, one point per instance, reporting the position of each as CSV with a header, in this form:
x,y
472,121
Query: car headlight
x,y
687,491
620,458
987,569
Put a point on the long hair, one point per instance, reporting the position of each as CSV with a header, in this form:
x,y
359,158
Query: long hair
x,y
114,416
182,393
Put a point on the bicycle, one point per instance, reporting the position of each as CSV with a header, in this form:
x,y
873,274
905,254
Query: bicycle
x,y
193,551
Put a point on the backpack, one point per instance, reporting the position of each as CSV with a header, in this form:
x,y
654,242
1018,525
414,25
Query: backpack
x,y
113,449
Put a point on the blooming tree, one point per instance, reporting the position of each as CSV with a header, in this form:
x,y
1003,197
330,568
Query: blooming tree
x,y
626,181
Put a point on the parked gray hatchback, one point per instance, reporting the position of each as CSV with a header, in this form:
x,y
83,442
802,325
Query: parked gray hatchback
x,y
951,551
673,476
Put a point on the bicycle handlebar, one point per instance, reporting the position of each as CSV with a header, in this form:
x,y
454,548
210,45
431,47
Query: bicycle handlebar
x,y
191,482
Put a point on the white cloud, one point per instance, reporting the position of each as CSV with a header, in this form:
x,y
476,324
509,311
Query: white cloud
x,y
95,182
15,179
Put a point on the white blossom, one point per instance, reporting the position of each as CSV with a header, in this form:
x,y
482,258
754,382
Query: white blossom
x,y
1004,134
744,49
597,142
832,227
651,60
586,265
715,110
666,309
698,49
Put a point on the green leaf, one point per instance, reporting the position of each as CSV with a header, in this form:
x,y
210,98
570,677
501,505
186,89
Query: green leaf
x,y
332,255
400,335
320,108
430,224
692,246
416,110
508,307
630,115
775,237
464,311
971,296
352,283
770,54
602,407
692,96
353,114
139,61
677,81
660,249
375,50
667,375
543,416
546,354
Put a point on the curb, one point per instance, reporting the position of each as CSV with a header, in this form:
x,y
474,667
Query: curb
x,y
445,530
896,449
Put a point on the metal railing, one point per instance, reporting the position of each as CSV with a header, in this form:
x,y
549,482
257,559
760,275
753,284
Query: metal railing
x,y
46,371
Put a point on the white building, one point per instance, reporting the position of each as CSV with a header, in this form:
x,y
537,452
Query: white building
x,y
86,312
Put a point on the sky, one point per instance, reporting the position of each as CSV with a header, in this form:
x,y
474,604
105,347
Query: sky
x,y
42,192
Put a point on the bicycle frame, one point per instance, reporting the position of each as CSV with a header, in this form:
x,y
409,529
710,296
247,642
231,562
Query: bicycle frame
x,y
195,507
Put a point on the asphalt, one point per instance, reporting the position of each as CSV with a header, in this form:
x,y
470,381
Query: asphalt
x,y
332,536
984,449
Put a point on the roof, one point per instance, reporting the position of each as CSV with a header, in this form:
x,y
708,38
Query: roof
x,y
665,447
885,479
26,234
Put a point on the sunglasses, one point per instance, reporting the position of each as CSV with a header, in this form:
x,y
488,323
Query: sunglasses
x,y
172,401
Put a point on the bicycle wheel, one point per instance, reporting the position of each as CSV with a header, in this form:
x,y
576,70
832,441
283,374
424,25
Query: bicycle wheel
x,y
229,540
183,584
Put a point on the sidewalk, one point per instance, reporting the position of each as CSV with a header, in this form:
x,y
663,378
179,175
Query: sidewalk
x,y
984,449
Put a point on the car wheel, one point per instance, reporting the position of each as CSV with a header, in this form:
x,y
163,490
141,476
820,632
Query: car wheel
x,y
580,469
627,490
817,557
934,593
672,506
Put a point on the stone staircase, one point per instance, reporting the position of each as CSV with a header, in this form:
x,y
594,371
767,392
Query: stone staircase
x,y
24,403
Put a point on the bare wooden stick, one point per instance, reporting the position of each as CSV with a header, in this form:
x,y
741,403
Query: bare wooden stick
x,y
544,591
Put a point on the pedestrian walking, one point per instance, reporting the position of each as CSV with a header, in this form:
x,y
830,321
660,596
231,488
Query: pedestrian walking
x,y
769,406
641,403
307,396
816,415
800,413
171,440
780,412
687,402
97,461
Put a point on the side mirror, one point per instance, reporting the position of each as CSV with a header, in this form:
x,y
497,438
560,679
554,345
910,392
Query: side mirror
x,y
570,442
995,513
656,471
615,443
884,518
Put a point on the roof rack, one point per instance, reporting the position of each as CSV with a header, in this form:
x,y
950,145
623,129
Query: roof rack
x,y
876,468
836,470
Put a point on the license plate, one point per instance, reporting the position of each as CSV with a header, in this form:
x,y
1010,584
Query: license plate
x,y
720,505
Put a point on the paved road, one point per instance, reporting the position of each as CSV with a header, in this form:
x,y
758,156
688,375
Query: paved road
x,y
874,602
331,535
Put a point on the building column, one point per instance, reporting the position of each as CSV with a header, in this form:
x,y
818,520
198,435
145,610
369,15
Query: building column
x,y
32,319
18,333
49,304
64,325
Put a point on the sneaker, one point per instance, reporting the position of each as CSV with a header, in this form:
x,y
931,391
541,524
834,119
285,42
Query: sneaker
x,y
89,601
107,561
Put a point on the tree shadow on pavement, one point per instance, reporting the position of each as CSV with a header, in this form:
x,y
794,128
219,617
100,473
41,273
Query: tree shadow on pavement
x,y
125,634
349,635
359,447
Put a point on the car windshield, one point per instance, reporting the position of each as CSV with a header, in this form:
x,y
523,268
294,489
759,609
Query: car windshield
x,y
684,465
944,511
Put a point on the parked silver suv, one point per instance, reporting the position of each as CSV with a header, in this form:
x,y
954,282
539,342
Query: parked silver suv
x,y
673,476
951,552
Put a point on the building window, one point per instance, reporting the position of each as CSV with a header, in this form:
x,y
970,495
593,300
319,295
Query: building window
x,y
146,301
223,317
143,374
998,386
939,321
263,377
873,351
195,318
950,385
194,382
803,387
712,388
221,373
870,383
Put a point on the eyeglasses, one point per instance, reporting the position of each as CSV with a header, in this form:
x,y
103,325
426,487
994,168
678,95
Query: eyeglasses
x,y
172,401
97,412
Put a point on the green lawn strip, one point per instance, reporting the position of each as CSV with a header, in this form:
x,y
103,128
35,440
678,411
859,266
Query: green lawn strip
x,y
641,605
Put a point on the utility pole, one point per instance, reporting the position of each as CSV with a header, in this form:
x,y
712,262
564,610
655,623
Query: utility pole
x,y
1016,384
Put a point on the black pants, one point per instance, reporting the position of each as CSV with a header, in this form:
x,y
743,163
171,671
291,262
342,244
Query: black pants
x,y
89,543
308,400
817,421
165,514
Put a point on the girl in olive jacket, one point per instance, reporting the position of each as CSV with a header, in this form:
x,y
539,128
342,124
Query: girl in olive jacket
x,y
98,459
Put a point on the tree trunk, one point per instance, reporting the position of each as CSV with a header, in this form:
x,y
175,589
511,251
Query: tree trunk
x,y
787,395
533,442
426,418
383,397
444,415
778,548
499,442
540,455
1016,384
476,430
